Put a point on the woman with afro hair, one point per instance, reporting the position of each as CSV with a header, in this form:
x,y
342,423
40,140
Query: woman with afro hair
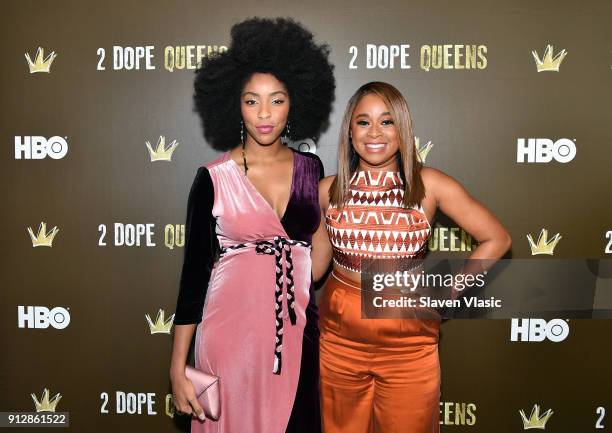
x,y
246,283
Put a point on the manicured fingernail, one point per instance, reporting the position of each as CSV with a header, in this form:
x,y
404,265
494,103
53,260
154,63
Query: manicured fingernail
x,y
202,416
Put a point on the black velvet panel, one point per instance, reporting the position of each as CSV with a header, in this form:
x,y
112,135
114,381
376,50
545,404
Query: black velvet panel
x,y
201,248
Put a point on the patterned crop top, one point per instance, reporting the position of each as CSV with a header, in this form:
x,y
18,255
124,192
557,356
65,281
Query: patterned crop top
x,y
374,224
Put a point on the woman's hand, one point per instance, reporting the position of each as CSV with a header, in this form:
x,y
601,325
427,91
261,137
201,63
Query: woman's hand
x,y
183,395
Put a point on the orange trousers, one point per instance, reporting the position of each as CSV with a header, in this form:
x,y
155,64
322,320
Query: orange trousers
x,y
377,375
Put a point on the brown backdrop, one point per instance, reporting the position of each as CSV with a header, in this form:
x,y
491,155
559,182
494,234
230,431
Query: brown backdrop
x,y
474,118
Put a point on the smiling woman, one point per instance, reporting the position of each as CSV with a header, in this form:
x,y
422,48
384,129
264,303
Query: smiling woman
x,y
375,134
246,288
383,375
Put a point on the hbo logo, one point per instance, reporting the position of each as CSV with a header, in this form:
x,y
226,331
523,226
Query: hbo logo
x,y
545,150
538,330
42,317
36,147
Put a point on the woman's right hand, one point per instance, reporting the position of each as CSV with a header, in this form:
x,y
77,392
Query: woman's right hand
x,y
183,395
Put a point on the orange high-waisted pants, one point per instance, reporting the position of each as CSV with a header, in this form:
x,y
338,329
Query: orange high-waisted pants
x,y
377,375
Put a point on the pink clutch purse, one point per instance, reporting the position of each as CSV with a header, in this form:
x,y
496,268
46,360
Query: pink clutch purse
x,y
206,390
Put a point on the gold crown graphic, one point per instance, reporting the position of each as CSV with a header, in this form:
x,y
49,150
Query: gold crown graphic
x,y
43,239
548,63
44,405
160,326
535,420
40,65
543,246
422,151
161,153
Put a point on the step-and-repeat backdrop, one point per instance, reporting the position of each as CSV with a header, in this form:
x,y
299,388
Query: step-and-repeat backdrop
x,y
101,144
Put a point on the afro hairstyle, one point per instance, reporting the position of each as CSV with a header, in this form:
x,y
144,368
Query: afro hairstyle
x,y
279,46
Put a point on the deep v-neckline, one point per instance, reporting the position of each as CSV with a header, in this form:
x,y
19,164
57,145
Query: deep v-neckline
x,y
251,185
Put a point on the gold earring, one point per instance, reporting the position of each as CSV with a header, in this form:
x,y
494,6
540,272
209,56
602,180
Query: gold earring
x,y
243,147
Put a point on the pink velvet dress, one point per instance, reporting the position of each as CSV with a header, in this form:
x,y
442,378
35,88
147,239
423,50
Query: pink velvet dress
x,y
259,292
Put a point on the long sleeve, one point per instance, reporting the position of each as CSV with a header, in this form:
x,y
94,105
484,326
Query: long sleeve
x,y
200,249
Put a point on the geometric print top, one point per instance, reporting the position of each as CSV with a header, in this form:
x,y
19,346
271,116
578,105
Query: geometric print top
x,y
374,223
